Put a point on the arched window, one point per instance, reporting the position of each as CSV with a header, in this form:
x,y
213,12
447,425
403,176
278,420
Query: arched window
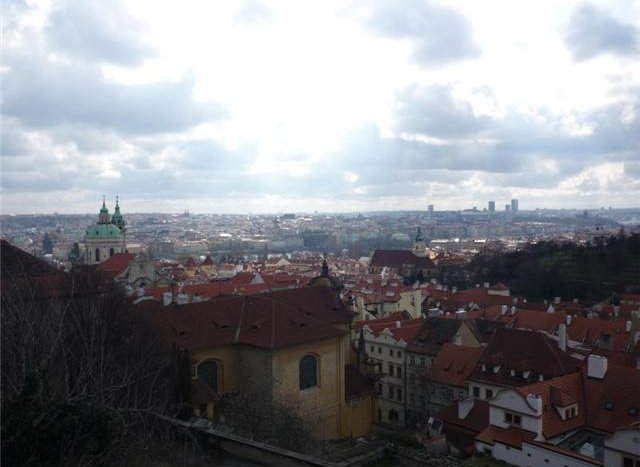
x,y
97,255
308,372
110,252
208,372
393,416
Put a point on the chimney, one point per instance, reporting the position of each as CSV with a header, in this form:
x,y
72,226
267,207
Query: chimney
x,y
513,310
616,310
504,309
596,366
182,298
167,298
535,402
627,326
464,407
398,324
562,337
568,319
486,285
454,289
556,300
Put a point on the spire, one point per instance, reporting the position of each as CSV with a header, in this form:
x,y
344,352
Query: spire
x,y
103,218
419,237
117,216
325,268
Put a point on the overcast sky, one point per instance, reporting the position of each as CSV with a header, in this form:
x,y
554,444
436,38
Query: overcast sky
x,y
284,106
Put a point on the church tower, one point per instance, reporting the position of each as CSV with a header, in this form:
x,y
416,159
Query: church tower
x,y
419,244
106,237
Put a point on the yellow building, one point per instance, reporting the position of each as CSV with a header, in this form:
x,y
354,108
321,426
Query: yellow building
x,y
291,344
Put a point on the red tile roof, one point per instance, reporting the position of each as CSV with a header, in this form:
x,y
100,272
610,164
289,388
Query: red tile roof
x,y
454,364
399,258
511,436
271,320
476,420
116,264
520,350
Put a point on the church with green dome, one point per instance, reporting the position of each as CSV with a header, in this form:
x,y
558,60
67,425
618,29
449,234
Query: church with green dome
x,y
107,237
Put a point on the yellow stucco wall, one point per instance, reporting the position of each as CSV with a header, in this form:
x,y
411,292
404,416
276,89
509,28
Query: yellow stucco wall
x,y
323,407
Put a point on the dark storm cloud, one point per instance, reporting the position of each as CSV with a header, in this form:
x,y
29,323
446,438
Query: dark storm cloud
x,y
95,31
432,111
42,93
439,34
593,31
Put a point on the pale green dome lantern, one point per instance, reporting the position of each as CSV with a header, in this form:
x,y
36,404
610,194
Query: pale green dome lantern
x,y
117,218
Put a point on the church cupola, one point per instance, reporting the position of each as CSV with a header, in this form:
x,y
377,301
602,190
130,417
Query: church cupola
x,y
117,218
103,217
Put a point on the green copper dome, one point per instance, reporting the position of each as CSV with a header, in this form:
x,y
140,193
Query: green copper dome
x,y
100,231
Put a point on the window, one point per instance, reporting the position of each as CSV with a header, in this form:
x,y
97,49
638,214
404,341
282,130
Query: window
x,y
399,394
390,370
412,360
394,416
390,392
390,352
372,349
97,255
423,361
489,393
379,349
399,354
308,372
512,419
379,389
476,391
208,372
111,252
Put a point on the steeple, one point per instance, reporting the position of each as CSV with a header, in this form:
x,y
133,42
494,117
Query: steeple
x,y
103,217
419,244
117,218
325,268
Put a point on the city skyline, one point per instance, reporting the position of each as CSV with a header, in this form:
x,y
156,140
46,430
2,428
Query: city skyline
x,y
335,107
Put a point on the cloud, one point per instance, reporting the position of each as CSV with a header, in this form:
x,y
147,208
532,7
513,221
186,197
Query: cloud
x,y
96,31
43,93
432,111
253,11
439,34
593,31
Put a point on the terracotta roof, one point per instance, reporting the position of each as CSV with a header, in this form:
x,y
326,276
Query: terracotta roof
x,y
596,332
483,329
454,364
208,261
476,420
190,263
116,264
522,351
434,334
511,436
356,384
19,268
620,388
561,392
399,258
270,320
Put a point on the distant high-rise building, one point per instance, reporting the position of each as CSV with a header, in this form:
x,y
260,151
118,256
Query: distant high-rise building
x,y
430,210
492,206
507,207
514,205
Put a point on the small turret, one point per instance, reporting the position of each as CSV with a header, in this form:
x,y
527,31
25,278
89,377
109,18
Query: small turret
x,y
103,217
117,218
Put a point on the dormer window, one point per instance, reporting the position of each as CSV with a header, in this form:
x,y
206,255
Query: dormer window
x,y
512,419
484,367
496,368
526,374
571,412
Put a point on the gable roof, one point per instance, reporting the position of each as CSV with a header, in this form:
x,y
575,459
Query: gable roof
x,y
522,351
434,334
399,258
271,320
454,364
117,263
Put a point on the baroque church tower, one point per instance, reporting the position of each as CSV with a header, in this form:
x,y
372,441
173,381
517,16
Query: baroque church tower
x,y
107,237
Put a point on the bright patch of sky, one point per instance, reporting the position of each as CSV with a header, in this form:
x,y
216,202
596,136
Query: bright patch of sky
x,y
331,106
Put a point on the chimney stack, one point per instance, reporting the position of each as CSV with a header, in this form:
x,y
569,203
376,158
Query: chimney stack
x,y
627,326
562,337
568,319
596,366
535,402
